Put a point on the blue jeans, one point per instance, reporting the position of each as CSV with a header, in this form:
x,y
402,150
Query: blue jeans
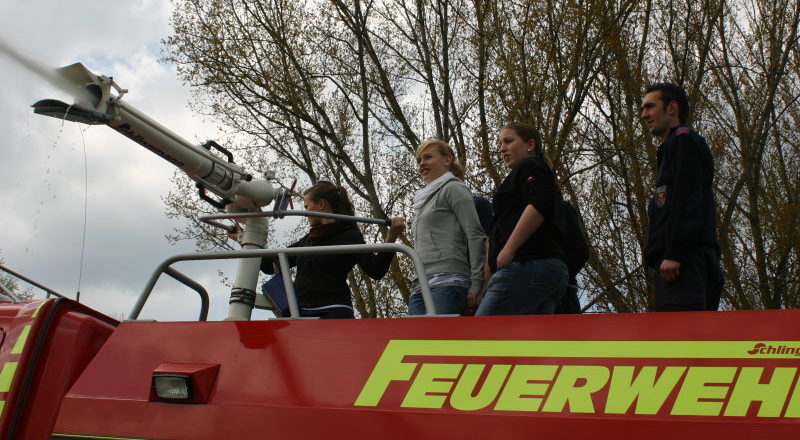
x,y
447,300
531,287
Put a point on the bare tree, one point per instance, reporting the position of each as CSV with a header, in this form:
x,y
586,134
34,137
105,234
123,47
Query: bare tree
x,y
345,90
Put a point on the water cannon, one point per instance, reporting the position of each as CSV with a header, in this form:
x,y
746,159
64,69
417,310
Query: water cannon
x,y
98,101
92,95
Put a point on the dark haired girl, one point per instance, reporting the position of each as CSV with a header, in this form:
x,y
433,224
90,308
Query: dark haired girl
x,y
525,244
321,280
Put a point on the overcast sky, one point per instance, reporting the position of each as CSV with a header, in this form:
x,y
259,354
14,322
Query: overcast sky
x,y
42,166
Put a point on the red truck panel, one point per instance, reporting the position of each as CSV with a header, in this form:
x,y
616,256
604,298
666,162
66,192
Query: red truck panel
x,y
47,346
730,375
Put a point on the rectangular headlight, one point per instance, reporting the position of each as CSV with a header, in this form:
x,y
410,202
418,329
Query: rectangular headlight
x,y
183,383
172,386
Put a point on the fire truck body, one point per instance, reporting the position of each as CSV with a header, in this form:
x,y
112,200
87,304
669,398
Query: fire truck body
x,y
80,374
69,372
46,346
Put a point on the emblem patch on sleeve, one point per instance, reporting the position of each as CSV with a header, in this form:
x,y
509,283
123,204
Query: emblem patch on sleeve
x,y
661,195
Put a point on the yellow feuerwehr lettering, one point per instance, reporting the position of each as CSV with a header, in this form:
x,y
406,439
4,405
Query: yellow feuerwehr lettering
x,y
431,378
772,395
464,398
648,392
390,367
566,389
793,408
695,387
518,393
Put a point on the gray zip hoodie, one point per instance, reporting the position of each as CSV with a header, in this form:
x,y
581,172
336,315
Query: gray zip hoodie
x,y
448,235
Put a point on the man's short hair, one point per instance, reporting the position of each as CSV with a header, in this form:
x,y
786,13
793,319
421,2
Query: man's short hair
x,y
671,92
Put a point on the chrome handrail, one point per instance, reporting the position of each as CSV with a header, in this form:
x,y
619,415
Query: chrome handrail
x,y
211,218
48,290
281,253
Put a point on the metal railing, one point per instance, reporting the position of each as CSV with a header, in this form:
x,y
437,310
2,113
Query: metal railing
x,y
47,290
282,254
212,219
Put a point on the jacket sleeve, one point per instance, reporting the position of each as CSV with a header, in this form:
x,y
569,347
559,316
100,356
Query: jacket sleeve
x,y
462,204
375,265
685,206
538,186
268,263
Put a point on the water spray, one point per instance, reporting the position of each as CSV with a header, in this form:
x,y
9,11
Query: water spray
x,y
98,100
53,76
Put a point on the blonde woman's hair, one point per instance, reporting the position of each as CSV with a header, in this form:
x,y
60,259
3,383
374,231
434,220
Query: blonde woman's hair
x,y
445,150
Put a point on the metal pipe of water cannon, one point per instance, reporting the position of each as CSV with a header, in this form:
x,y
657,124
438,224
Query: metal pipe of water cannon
x,y
199,164
95,104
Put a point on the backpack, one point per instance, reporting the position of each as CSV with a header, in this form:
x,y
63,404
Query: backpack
x,y
485,211
576,249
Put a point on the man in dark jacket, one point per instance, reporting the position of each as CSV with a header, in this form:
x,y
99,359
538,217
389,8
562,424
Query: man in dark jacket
x,y
682,243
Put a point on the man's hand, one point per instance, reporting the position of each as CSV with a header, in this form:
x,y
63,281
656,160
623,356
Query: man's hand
x,y
670,269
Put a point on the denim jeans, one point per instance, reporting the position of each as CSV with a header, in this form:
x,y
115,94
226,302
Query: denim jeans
x,y
531,287
446,299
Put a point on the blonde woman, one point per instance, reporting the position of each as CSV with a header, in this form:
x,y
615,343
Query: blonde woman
x,y
447,233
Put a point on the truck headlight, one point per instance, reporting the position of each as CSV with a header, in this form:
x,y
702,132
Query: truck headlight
x,y
172,386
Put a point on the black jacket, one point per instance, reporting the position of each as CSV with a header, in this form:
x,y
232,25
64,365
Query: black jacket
x,y
530,182
321,280
682,211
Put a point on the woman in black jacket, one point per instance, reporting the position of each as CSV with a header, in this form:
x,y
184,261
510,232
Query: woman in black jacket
x,y
525,251
321,280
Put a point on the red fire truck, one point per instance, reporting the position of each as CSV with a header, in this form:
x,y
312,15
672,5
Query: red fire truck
x,y
69,372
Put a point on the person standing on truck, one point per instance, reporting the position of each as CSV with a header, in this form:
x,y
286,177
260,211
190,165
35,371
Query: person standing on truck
x,y
447,234
321,280
682,244
526,254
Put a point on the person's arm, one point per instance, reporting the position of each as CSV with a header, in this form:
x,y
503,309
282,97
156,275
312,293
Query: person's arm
x,y
268,263
474,302
528,223
462,204
537,184
376,265
685,205
487,268
396,228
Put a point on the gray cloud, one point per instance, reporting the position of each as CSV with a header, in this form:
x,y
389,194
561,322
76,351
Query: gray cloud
x,y
42,165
